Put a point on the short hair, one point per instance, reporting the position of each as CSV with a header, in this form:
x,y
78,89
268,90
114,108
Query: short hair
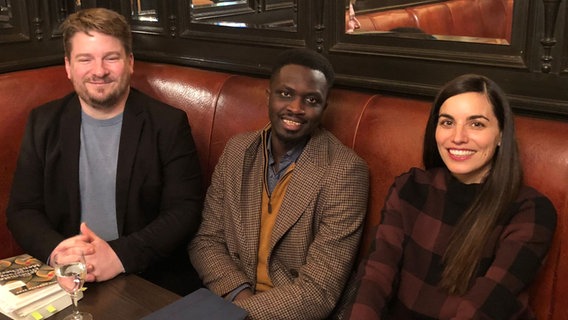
x,y
307,58
101,20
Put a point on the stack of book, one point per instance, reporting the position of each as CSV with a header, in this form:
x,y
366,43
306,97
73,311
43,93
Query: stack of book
x,y
29,289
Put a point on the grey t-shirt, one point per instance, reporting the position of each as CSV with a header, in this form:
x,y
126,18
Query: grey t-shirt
x,y
97,174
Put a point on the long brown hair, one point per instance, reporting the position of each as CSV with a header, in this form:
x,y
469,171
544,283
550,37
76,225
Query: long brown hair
x,y
499,190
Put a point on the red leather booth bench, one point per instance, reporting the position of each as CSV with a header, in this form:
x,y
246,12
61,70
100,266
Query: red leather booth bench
x,y
471,18
386,131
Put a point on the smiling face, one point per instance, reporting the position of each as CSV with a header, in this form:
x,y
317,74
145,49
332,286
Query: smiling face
x,y
296,101
467,136
100,71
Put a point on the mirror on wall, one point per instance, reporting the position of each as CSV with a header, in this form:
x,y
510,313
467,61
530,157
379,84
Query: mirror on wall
x,y
14,26
6,14
144,10
258,14
481,21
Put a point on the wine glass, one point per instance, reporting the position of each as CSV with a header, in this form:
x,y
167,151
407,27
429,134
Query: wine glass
x,y
71,270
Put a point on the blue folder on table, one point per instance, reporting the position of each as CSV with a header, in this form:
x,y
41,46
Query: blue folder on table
x,y
200,304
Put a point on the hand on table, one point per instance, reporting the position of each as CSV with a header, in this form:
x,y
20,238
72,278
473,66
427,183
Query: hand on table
x,y
102,262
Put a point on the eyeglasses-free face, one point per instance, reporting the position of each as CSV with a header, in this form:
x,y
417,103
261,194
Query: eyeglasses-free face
x,y
467,136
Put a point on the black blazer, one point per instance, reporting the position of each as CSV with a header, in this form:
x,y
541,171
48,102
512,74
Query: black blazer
x,y
158,184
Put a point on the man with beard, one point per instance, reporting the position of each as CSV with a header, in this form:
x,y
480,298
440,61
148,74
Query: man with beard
x,y
283,215
108,170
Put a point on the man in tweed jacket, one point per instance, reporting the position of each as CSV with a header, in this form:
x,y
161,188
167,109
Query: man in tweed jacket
x,y
284,212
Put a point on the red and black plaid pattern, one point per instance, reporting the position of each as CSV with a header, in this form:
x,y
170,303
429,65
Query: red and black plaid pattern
x,y
399,277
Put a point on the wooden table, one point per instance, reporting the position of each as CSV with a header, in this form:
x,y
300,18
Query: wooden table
x,y
127,297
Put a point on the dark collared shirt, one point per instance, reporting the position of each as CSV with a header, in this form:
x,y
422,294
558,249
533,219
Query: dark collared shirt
x,y
273,175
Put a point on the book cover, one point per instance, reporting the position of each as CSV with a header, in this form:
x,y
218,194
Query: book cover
x,y
29,289
24,273
200,304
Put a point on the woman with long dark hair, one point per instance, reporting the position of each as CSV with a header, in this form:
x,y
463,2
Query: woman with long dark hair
x,y
463,238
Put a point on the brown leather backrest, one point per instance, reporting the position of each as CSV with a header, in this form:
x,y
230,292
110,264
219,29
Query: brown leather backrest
x,y
392,19
235,115
390,139
193,90
544,153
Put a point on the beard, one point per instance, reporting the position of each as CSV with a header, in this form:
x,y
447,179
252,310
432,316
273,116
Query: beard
x,y
105,101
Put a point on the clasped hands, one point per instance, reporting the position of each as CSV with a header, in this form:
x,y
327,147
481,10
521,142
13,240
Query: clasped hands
x,y
102,262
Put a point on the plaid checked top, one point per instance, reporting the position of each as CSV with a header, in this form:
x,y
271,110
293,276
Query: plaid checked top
x,y
399,277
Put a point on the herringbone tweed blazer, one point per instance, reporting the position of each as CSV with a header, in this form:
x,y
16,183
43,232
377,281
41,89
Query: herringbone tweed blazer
x,y
315,238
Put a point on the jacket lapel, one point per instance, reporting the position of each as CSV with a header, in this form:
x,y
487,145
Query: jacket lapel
x,y
70,132
251,199
132,124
